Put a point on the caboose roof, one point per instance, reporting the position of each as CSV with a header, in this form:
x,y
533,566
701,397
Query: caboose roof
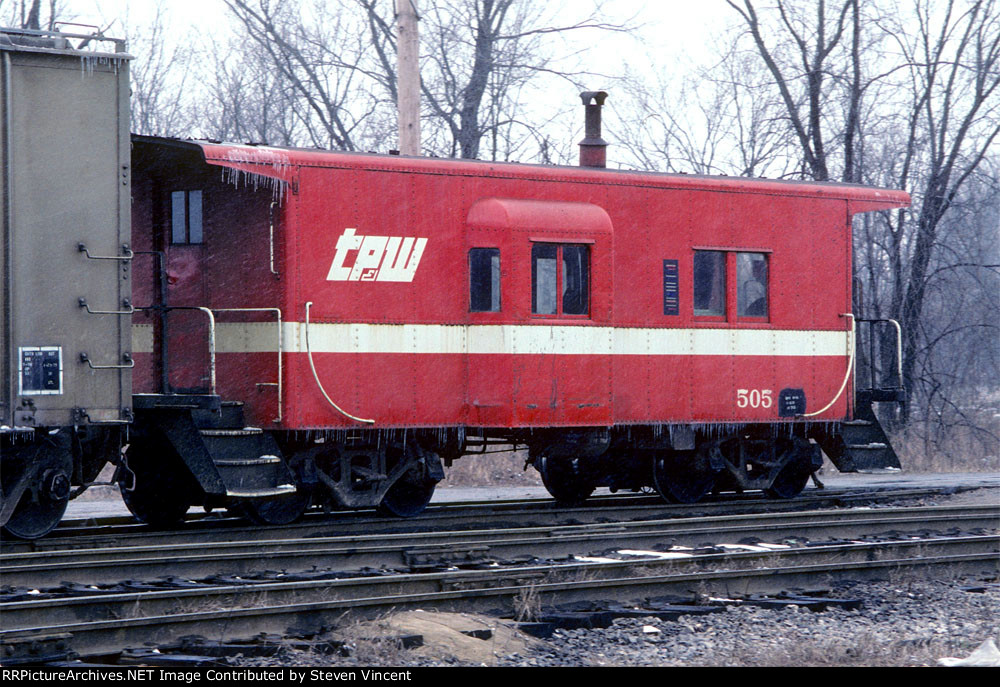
x,y
279,163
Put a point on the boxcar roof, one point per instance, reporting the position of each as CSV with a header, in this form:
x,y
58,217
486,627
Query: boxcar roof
x,y
280,163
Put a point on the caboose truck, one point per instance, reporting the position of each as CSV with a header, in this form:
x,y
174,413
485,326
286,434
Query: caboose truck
x,y
327,328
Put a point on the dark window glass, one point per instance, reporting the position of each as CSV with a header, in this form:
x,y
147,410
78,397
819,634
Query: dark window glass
x,y
194,217
576,280
484,280
544,263
186,217
751,284
709,282
178,216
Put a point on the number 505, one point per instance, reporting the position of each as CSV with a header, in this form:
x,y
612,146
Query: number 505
x,y
754,398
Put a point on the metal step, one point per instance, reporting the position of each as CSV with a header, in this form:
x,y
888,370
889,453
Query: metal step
x,y
245,462
248,461
858,446
279,490
245,432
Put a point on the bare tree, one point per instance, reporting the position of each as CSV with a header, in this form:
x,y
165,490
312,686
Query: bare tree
x,y
245,98
731,122
28,14
160,78
479,58
802,61
952,122
321,51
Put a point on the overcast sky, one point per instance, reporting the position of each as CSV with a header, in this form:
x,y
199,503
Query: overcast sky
x,y
671,36
672,29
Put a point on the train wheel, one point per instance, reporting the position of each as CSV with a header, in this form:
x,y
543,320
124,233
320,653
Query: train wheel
x,y
680,480
794,476
43,503
277,511
407,497
789,483
152,491
563,480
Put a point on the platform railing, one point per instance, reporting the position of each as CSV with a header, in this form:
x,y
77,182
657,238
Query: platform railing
x,y
876,353
281,350
212,352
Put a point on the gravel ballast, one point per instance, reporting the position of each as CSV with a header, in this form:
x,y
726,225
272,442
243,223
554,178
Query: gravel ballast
x,y
902,624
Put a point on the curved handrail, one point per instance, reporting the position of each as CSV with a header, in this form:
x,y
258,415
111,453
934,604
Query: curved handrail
x,y
312,366
847,375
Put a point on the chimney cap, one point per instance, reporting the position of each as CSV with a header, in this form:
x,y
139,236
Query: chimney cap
x,y
597,96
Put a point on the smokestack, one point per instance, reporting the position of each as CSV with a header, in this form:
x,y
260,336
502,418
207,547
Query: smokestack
x,y
593,148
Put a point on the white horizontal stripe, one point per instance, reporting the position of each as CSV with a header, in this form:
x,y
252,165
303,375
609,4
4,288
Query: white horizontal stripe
x,y
559,340
261,337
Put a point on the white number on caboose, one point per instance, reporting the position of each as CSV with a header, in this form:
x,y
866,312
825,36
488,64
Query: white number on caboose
x,y
754,398
379,258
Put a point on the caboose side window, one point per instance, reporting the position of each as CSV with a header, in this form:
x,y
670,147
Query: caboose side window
x,y
484,280
186,217
709,282
751,285
576,280
544,278
560,279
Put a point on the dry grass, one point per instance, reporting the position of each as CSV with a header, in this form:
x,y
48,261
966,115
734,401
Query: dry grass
x,y
973,446
527,605
492,470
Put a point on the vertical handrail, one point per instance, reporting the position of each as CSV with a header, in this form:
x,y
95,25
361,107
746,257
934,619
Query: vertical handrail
x,y
211,335
211,348
270,222
871,346
899,351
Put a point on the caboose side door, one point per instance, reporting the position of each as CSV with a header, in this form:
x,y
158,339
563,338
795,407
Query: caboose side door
x,y
187,333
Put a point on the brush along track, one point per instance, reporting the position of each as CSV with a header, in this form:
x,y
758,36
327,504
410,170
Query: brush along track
x,y
416,551
206,529
104,624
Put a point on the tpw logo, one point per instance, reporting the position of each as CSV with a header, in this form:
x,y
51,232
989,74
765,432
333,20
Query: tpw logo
x,y
379,258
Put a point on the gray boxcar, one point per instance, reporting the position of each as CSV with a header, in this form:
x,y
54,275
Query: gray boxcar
x,y
65,330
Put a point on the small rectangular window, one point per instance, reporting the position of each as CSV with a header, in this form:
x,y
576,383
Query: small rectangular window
x,y
751,281
544,278
186,217
576,280
484,280
709,282
560,279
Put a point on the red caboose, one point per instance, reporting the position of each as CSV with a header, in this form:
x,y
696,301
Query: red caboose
x,y
326,327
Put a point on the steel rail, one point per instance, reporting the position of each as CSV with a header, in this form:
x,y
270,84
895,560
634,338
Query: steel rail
x,y
429,549
102,625
122,531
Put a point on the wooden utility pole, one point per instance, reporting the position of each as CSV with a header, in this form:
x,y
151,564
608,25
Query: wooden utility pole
x,y
408,76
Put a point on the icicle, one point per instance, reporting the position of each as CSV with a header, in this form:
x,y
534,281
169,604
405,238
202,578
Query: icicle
x,y
264,157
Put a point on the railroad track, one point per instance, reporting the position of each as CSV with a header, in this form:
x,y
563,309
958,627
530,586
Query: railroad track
x,y
105,625
202,529
266,559
99,623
